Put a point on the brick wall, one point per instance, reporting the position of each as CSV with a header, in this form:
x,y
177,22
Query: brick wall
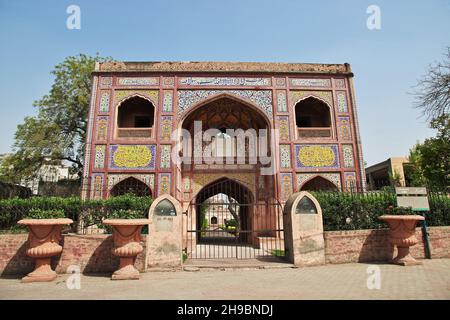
x,y
92,253
373,245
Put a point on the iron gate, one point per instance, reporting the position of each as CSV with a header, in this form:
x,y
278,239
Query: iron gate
x,y
225,221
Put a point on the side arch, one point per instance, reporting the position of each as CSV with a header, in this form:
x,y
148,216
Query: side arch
x,y
120,180
313,184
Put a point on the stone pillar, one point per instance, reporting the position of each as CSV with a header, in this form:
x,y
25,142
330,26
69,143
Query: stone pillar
x,y
164,240
303,230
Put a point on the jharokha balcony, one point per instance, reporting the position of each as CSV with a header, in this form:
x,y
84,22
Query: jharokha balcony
x,y
134,132
314,132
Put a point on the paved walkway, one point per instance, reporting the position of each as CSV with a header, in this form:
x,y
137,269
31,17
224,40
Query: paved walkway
x,y
348,281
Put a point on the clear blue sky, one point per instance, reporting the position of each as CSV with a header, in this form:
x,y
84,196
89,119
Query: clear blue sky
x,y
386,62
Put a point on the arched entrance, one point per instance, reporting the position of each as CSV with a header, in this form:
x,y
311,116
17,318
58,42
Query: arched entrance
x,y
319,184
132,186
225,221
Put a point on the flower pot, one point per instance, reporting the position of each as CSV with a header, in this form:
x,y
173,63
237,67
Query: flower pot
x,y
402,233
127,238
43,244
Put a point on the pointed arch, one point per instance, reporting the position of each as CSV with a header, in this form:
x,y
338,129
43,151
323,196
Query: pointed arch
x,y
313,118
131,185
135,117
219,96
318,182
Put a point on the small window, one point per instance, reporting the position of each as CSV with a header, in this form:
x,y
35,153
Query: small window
x,y
165,208
305,206
313,119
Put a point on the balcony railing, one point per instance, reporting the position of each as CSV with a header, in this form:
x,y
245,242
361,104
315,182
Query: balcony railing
x,y
134,132
314,132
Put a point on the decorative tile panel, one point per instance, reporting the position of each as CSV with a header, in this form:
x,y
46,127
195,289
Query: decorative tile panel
x,y
105,82
350,181
104,101
325,96
316,156
138,81
163,183
99,160
135,157
286,185
97,186
280,82
189,98
223,81
148,179
341,101
339,83
152,95
285,156
281,101
202,179
347,155
102,128
167,101
165,156
344,128
187,184
168,81
325,83
335,178
165,128
283,127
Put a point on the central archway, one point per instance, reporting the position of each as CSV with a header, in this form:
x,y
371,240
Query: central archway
x,y
223,113
230,203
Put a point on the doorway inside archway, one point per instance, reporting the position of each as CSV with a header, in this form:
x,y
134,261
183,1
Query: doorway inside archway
x,y
225,221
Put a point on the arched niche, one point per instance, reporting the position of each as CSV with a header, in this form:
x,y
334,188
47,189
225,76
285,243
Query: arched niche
x,y
313,118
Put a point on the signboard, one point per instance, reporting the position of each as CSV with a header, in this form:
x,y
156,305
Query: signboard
x,y
415,198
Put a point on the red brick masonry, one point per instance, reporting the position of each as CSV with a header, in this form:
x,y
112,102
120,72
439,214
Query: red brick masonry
x,y
93,252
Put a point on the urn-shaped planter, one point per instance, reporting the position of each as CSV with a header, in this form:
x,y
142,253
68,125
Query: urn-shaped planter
x,y
127,238
43,244
402,233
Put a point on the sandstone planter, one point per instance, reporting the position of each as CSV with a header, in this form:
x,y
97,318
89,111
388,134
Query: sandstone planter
x,y
403,235
43,244
127,238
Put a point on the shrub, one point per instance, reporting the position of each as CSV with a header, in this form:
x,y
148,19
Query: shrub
x,y
352,211
44,214
92,212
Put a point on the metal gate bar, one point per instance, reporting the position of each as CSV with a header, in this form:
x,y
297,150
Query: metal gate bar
x,y
224,221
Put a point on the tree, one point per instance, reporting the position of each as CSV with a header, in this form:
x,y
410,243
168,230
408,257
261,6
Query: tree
x,y
431,159
58,131
433,90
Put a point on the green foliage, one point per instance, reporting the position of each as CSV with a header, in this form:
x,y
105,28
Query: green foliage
x,y
45,214
353,211
204,221
431,159
231,223
58,131
439,210
91,212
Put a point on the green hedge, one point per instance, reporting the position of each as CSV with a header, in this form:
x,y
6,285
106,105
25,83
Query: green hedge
x,y
341,211
353,211
91,211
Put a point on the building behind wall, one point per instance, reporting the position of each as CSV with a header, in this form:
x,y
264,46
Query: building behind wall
x,y
136,106
387,173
